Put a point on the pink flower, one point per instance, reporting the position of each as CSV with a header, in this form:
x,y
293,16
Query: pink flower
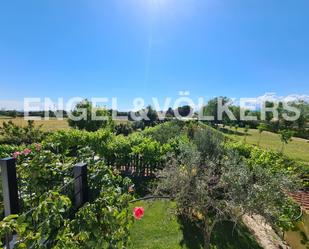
x,y
26,151
138,212
16,154
38,146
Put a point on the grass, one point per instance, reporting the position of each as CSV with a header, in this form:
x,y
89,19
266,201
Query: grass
x,y
297,149
160,228
47,125
52,124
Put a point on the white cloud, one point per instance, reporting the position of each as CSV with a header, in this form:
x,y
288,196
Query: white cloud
x,y
274,97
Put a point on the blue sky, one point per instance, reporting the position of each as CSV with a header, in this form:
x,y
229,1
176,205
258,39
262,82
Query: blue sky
x,y
145,48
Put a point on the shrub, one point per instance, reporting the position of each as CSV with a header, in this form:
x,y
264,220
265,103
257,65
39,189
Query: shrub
x,y
138,125
163,132
88,123
272,160
123,128
68,142
209,143
103,222
14,134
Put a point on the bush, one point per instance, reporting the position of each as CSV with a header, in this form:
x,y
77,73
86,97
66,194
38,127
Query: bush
x,y
14,134
68,142
88,123
103,222
272,160
164,132
123,128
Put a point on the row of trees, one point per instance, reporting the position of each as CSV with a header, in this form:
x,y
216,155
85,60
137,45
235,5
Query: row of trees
x,y
299,126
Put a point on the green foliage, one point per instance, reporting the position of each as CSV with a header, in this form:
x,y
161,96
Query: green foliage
x,y
84,117
274,161
14,134
8,150
164,132
209,143
52,223
68,142
285,137
101,224
211,184
138,125
262,127
124,129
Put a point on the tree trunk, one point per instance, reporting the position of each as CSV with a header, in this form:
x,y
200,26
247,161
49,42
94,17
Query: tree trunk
x,y
260,136
206,240
282,148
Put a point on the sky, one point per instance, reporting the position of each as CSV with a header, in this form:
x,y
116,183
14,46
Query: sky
x,y
152,48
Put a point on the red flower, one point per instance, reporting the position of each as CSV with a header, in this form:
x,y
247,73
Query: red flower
x,y
138,212
16,154
26,151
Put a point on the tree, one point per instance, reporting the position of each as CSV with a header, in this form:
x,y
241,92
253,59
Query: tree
x,y
210,188
170,113
87,121
261,127
246,129
211,109
236,128
285,137
185,110
152,116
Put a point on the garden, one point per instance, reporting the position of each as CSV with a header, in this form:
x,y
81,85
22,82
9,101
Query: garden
x,y
173,184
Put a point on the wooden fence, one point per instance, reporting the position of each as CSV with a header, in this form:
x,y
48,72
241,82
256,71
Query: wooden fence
x,y
136,165
11,195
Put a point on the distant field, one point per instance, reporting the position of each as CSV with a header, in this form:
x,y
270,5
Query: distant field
x,y
297,149
47,125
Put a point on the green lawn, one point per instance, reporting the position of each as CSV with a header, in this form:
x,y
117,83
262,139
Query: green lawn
x,y
161,229
297,149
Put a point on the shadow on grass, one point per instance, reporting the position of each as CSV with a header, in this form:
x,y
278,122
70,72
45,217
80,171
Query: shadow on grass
x,y
192,235
233,132
223,237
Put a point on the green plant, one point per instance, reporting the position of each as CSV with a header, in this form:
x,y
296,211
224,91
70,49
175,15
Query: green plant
x,y
246,130
14,134
103,222
285,137
87,117
261,127
123,128
210,186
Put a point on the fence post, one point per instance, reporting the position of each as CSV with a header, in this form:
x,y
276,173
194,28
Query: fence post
x,y
80,185
10,191
9,186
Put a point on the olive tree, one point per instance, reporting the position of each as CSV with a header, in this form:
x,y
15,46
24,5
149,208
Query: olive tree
x,y
210,188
